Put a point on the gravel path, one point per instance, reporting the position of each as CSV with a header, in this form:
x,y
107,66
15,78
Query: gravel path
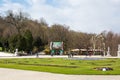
x,y
13,74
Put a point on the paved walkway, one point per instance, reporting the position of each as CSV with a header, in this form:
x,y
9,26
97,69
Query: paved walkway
x,y
5,54
13,74
10,55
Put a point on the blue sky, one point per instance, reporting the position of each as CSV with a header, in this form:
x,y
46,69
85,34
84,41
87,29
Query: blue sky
x,y
92,16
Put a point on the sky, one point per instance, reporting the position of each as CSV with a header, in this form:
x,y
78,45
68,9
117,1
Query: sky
x,y
91,16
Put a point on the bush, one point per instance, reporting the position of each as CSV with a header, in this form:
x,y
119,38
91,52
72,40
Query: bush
x,y
22,54
1,49
35,50
47,51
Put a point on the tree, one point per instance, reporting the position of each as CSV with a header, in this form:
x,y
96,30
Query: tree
x,y
16,20
17,41
21,44
37,43
59,33
29,40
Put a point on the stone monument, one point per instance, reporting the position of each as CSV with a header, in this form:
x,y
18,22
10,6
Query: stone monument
x,y
108,52
118,52
16,52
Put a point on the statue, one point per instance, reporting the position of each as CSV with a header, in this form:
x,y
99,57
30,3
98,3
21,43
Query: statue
x,y
108,52
118,52
16,52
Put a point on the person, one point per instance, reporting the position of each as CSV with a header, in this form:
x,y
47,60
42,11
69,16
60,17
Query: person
x,y
86,53
37,55
69,54
52,52
72,54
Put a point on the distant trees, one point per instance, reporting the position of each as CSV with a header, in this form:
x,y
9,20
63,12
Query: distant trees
x,y
28,39
59,32
112,40
17,30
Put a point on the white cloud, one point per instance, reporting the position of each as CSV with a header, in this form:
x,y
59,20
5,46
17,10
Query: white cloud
x,y
8,5
80,15
92,15
35,2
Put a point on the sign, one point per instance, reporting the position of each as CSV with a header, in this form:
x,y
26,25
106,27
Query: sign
x,y
56,45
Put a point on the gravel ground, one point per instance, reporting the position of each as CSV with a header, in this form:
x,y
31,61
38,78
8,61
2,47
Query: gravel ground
x,y
13,74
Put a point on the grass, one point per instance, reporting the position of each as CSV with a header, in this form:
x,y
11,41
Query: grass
x,y
63,65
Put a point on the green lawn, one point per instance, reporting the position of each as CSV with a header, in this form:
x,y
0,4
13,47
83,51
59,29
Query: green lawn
x,y
63,65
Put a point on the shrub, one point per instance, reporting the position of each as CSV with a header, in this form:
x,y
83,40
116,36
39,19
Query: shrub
x,y
1,49
47,51
35,50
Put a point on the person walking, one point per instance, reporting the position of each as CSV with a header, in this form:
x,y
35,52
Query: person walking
x,y
37,55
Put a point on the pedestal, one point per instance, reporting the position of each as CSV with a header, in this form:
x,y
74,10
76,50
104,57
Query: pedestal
x,y
118,53
16,52
108,55
108,52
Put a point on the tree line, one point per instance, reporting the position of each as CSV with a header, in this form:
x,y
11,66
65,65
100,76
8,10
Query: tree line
x,y
18,30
